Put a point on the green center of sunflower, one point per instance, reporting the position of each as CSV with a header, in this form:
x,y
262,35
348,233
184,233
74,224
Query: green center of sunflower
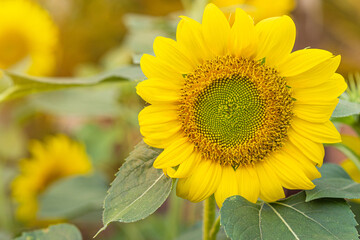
x,y
229,111
235,111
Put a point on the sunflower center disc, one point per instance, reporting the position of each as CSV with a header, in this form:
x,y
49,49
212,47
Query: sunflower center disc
x,y
235,111
229,111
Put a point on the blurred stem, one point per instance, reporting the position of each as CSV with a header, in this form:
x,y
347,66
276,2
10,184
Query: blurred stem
x,y
5,209
208,216
174,215
215,229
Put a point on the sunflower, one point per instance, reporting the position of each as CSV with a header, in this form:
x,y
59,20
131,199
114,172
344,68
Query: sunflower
x,y
58,157
235,111
259,9
26,33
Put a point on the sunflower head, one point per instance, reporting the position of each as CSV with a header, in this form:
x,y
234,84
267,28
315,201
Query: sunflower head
x,y
27,33
56,158
235,110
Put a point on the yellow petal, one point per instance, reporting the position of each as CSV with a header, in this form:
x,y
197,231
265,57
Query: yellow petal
x,y
296,154
169,51
189,36
158,114
174,154
216,30
157,90
202,183
314,112
276,38
270,185
312,150
302,60
325,92
248,182
186,168
162,139
228,185
289,172
243,39
315,76
159,124
154,67
317,132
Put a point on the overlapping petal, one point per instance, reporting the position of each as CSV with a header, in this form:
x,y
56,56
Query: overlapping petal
x,y
189,36
248,183
158,90
228,185
276,38
174,154
317,132
216,30
270,185
243,38
202,183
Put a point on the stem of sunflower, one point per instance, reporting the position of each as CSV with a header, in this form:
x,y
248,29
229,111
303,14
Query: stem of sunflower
x,y
208,216
215,229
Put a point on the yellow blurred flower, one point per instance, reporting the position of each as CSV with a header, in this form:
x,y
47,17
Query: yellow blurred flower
x,y
56,158
349,166
27,33
258,9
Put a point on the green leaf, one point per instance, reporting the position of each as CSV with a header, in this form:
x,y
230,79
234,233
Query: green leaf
x,y
334,183
14,85
355,208
72,197
55,232
91,101
292,218
138,189
346,108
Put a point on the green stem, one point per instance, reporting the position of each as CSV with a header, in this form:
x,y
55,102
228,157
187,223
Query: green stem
x,y
208,216
215,229
6,215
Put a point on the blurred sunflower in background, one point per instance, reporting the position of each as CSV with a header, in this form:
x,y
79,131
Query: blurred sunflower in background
x,y
232,106
55,158
258,9
28,38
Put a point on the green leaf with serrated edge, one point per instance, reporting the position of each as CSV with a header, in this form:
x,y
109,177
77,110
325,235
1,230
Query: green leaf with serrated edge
x,y
355,208
72,197
346,108
14,85
334,183
292,218
55,232
138,189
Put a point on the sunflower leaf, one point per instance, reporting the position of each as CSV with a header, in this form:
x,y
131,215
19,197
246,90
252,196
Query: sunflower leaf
x,y
292,218
334,183
346,108
15,85
54,232
138,189
72,197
